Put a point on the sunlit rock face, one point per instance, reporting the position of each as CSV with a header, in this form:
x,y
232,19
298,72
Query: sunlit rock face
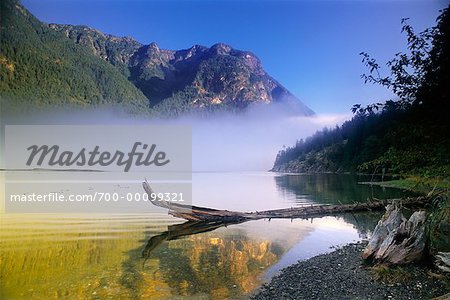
x,y
198,77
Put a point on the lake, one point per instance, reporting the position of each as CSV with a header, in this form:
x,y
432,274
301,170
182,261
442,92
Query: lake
x,y
151,255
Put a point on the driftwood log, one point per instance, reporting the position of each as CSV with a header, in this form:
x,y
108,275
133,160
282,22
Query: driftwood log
x,y
196,213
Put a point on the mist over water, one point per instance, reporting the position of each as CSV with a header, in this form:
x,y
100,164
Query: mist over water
x,y
247,141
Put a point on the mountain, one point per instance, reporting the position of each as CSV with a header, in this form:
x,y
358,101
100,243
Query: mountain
x,y
41,65
197,77
51,62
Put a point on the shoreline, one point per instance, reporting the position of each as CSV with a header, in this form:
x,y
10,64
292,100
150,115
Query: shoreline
x,y
414,183
341,275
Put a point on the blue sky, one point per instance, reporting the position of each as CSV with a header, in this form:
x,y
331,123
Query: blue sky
x,y
311,47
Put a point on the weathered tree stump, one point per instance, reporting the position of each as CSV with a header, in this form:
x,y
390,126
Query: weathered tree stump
x,y
443,261
397,240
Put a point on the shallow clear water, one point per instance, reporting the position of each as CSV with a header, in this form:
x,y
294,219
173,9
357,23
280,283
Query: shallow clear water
x,y
155,256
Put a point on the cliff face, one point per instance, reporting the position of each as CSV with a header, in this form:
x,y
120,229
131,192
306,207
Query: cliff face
x,y
115,50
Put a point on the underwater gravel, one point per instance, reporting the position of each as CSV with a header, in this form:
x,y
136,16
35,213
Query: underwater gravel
x,y
341,275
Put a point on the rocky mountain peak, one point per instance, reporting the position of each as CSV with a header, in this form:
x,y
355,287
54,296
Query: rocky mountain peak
x,y
153,47
221,49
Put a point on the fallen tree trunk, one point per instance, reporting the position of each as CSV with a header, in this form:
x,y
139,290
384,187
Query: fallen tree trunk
x,y
196,213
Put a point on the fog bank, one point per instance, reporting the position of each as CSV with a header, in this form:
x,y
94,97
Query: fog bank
x,y
220,142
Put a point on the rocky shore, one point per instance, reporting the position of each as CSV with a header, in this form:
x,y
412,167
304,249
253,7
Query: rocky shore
x,y
341,275
298,166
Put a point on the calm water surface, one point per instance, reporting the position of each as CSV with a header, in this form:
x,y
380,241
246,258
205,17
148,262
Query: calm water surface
x,y
155,256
